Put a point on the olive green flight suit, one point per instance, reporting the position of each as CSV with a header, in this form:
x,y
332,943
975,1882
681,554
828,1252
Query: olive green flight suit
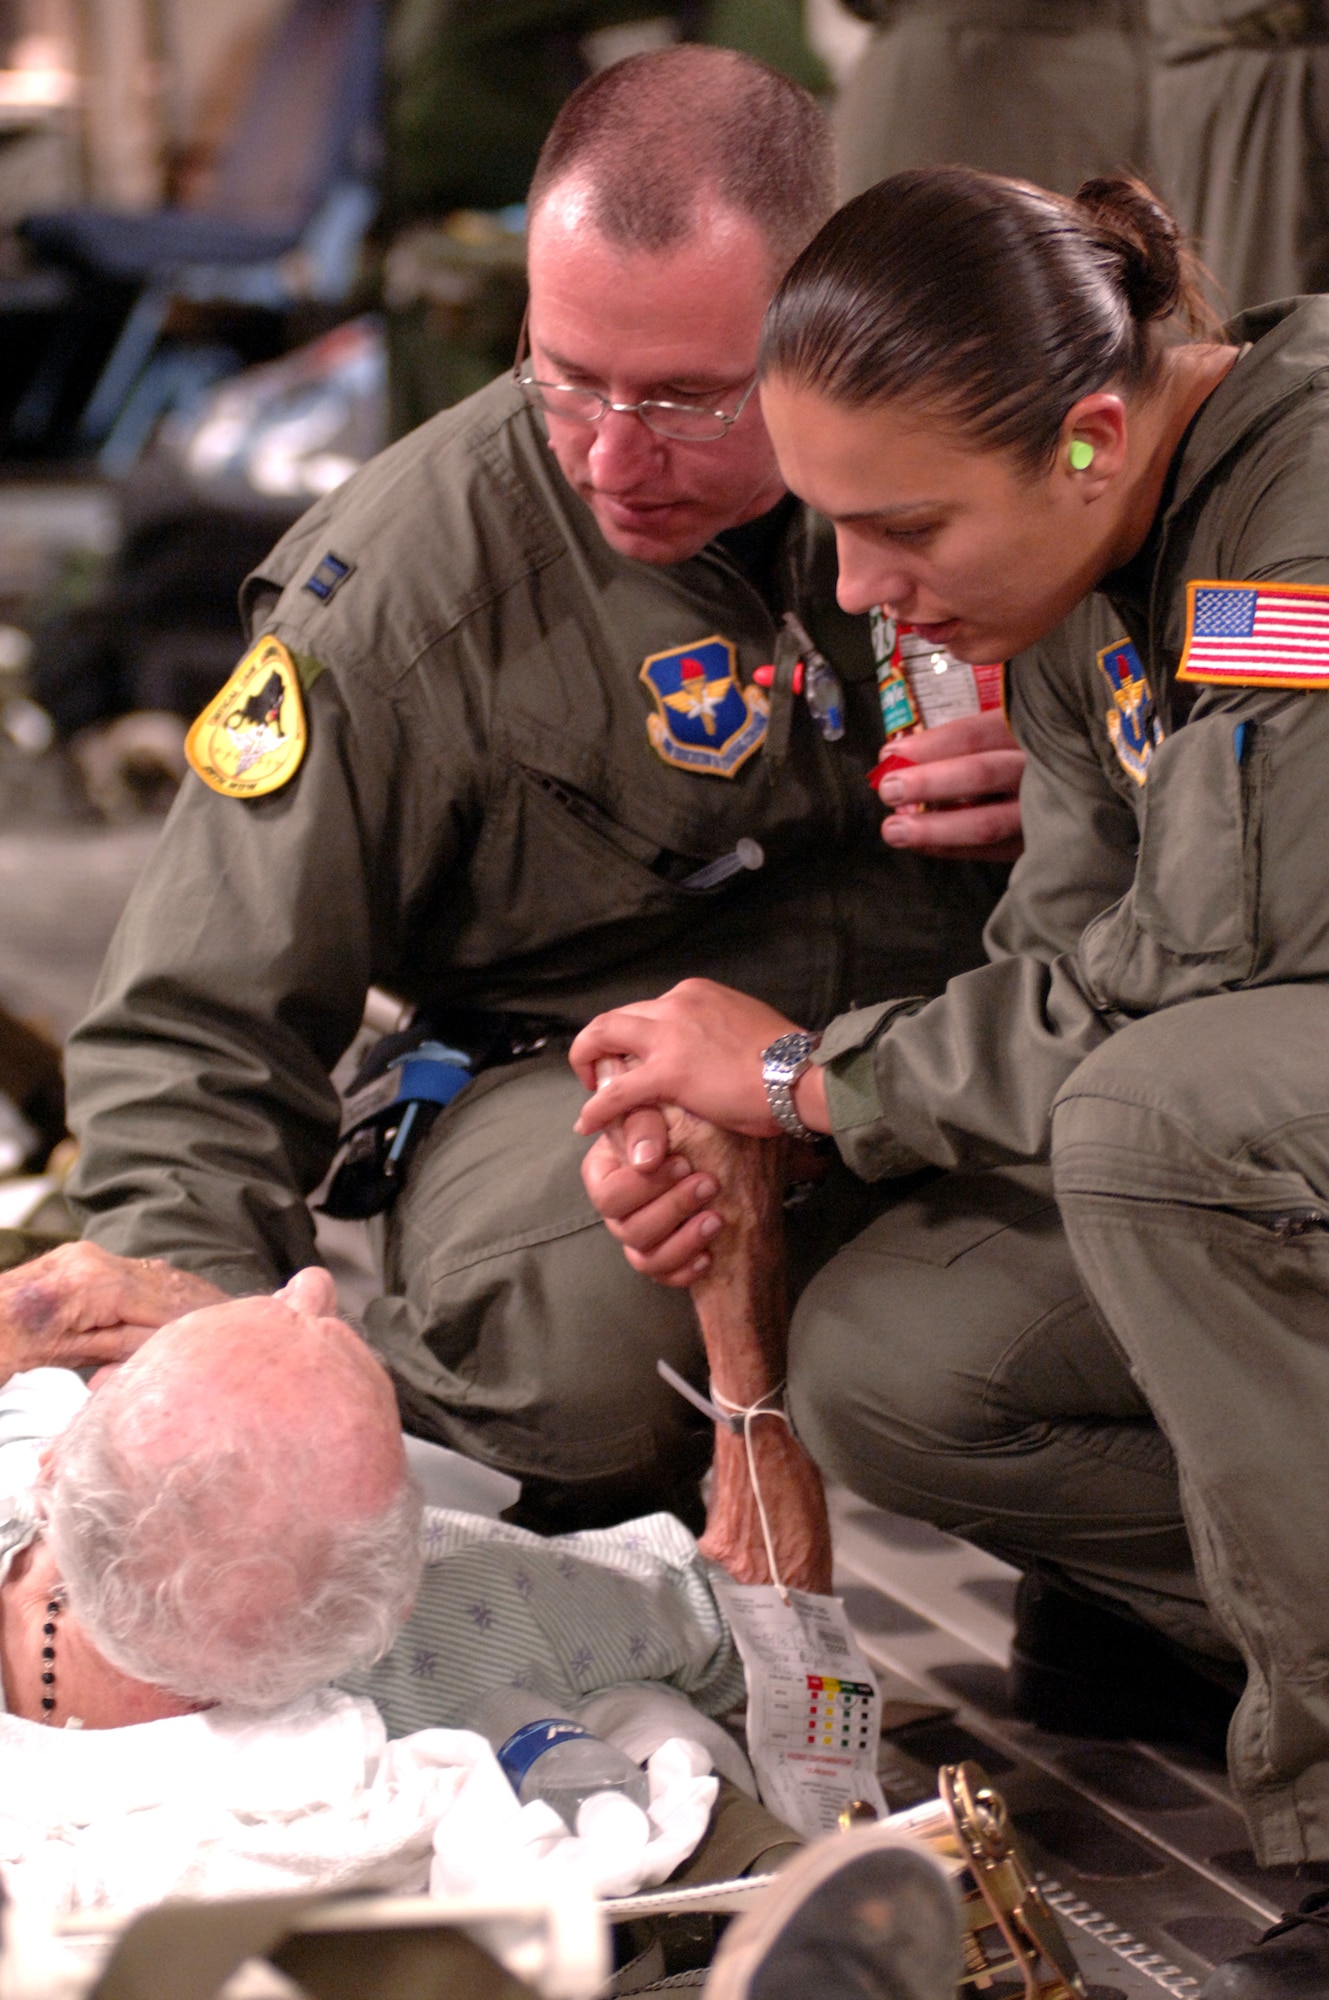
x,y
1051,91
1119,1369
480,819
1240,127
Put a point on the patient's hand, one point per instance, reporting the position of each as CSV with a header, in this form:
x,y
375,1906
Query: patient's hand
x,y
795,1502
79,1306
741,1308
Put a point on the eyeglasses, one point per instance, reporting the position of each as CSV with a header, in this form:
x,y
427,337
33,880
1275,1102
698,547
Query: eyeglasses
x,y
686,423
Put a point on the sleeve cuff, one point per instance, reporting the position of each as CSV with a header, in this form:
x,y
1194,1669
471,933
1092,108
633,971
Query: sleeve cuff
x,y
859,1028
847,1053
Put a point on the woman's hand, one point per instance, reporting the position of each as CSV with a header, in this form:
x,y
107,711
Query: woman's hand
x,y
969,772
698,1046
80,1305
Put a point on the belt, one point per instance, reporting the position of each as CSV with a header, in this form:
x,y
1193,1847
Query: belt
x,y
403,1084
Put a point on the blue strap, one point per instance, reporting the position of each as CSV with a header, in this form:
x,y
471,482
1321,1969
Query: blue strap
x,y
433,1074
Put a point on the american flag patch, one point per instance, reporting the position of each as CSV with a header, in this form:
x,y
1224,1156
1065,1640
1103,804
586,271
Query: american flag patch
x,y
1267,634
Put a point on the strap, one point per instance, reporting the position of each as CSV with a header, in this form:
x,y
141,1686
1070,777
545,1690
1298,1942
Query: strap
x,y
1291,1918
770,1405
705,1404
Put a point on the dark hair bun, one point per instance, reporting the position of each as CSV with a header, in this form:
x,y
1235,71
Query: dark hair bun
x,y
1134,225
989,305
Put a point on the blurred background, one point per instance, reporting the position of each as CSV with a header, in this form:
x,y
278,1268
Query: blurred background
x,y
241,248
244,246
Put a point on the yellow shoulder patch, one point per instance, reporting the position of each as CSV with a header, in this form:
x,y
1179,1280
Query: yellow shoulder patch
x,y
250,738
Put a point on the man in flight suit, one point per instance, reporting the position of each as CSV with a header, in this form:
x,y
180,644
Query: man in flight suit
x,y
1052,91
528,763
1240,120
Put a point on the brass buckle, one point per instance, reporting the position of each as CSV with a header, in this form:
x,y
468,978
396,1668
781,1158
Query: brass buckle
x,y
1008,1927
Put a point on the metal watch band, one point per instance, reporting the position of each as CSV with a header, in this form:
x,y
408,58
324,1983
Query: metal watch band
x,y
782,1064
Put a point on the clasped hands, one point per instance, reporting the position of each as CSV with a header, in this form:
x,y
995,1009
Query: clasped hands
x,y
688,1165
700,1045
695,1202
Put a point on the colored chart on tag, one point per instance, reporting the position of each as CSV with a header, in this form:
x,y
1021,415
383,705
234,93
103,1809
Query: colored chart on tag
x,y
839,1713
814,1710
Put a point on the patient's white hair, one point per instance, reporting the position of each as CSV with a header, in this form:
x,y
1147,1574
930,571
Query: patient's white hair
x,y
207,1577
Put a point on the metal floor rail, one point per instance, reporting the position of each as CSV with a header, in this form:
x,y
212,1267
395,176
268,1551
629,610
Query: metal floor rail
x,y
1139,1847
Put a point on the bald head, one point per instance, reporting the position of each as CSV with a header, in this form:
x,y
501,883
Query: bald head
x,y
231,1511
657,139
290,1391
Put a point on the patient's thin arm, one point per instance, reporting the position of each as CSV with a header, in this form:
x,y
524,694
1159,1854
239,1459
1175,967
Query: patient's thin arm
x,y
742,1309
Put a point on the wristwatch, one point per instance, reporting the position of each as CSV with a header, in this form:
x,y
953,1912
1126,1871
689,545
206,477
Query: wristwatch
x,y
782,1064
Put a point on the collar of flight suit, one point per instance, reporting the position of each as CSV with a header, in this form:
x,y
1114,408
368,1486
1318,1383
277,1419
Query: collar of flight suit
x,y
1286,347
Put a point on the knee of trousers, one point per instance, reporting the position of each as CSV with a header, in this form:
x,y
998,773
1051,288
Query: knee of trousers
x,y
510,1307
898,1344
1221,1101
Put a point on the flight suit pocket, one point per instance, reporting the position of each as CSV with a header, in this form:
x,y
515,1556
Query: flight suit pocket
x,y
1191,889
551,874
1187,926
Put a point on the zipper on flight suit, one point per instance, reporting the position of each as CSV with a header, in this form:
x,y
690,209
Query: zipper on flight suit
x,y
1285,1224
579,807
679,871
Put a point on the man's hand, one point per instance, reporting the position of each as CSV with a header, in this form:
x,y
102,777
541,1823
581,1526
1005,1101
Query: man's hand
x,y
969,772
80,1306
659,1217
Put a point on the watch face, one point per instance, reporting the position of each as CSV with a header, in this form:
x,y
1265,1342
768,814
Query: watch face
x,y
784,1056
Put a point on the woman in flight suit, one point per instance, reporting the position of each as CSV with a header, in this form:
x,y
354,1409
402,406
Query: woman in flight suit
x,y
1098,1341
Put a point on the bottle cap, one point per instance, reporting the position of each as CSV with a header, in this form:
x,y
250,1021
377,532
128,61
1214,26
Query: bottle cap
x,y
891,762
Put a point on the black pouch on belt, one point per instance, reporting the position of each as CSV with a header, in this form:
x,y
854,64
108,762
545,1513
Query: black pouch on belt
x,y
403,1084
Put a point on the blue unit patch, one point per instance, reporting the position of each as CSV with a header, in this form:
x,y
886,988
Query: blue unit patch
x,y
329,577
705,719
1131,722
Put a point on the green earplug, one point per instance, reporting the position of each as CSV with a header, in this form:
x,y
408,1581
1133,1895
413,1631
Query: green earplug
x,y
1081,455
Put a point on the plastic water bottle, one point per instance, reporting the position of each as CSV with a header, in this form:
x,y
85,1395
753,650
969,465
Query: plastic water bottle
x,y
545,1754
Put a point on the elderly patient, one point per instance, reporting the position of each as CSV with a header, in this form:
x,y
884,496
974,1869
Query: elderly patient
x,y
193,1551
228,1519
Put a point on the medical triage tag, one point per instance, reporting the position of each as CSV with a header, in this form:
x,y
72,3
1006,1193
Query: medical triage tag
x,y
814,1707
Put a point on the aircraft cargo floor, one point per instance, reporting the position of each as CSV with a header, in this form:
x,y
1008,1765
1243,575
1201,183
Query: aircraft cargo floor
x,y
1138,1847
